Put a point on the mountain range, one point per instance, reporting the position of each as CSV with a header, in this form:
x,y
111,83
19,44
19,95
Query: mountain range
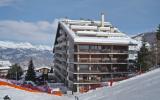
x,y
149,37
22,52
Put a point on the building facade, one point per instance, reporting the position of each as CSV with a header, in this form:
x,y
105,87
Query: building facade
x,y
87,54
4,67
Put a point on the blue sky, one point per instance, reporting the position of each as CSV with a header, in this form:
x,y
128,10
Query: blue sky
x,y
35,21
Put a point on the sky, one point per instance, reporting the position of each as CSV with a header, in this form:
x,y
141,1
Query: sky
x,y
35,21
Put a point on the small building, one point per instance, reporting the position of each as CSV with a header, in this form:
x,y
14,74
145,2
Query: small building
x,y
43,69
4,67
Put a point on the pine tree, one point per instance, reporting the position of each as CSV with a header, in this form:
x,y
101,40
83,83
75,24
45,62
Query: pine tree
x,y
51,71
143,61
15,72
158,33
158,45
30,75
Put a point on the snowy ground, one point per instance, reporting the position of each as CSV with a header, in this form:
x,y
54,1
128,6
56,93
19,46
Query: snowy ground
x,y
16,94
142,87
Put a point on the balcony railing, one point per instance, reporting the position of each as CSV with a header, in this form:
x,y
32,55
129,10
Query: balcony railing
x,y
61,38
102,51
100,60
99,79
61,44
100,72
63,66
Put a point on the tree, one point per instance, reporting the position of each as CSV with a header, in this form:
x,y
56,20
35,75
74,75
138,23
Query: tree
x,y
30,75
51,71
158,45
143,61
158,33
15,72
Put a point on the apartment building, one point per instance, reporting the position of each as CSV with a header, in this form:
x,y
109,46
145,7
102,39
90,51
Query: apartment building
x,y
87,54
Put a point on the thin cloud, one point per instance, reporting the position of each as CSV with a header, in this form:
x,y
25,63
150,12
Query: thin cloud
x,y
7,2
41,32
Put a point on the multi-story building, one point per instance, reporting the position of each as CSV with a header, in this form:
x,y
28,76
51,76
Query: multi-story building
x,y
89,53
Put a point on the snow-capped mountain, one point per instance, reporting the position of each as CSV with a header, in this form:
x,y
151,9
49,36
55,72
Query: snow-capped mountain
x,y
23,45
149,37
22,52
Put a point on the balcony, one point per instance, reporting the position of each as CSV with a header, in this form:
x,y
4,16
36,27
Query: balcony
x,y
99,72
61,58
102,51
98,80
61,44
62,66
61,38
60,72
101,60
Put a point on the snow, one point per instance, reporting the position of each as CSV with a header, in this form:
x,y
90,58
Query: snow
x,y
100,36
47,67
142,87
82,22
2,68
4,63
83,27
109,40
23,45
16,94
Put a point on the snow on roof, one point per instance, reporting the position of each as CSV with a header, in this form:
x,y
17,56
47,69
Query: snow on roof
x,y
38,68
104,40
83,22
92,32
5,63
3,68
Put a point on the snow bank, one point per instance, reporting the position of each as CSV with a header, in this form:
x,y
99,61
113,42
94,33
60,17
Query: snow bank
x,y
16,94
142,87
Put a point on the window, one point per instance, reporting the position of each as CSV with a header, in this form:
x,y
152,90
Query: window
x,y
84,47
83,67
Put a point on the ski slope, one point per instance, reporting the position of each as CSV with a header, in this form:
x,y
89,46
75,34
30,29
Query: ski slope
x,y
142,87
16,94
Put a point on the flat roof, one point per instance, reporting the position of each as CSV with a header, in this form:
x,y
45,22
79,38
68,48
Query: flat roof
x,y
90,32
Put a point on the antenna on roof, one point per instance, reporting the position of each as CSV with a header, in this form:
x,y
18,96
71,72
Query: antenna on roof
x,y
102,19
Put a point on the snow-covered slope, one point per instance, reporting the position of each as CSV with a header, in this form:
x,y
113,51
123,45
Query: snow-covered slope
x,y
16,94
143,87
23,45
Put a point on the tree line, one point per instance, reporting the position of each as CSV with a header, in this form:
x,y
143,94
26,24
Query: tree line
x,y
148,59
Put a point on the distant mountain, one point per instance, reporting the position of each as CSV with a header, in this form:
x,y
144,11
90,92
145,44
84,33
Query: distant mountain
x,y
149,37
22,52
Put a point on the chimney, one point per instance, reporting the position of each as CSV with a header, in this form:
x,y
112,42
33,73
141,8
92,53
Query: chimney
x,y
102,19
